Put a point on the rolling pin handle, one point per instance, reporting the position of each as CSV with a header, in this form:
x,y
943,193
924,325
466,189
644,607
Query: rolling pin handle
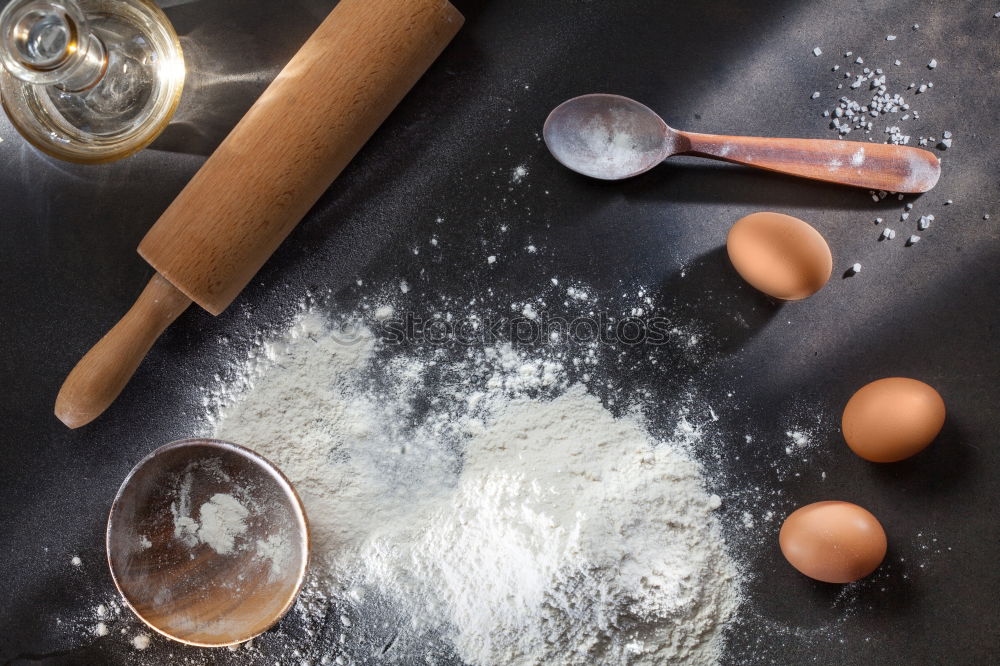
x,y
105,370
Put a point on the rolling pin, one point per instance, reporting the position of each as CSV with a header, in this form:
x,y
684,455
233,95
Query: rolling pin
x,y
263,178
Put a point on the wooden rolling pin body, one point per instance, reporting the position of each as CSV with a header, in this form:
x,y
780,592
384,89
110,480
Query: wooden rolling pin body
x,y
270,170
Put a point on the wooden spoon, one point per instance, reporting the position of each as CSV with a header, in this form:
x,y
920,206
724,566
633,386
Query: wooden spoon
x,y
613,137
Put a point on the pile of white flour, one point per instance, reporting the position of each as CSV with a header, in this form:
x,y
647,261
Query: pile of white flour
x,y
489,504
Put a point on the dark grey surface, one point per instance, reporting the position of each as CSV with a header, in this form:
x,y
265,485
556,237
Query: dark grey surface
x,y
68,270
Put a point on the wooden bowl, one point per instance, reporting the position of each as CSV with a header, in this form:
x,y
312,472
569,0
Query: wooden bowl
x,y
207,542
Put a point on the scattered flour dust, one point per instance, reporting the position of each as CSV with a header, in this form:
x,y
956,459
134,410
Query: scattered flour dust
x,y
797,439
515,519
222,520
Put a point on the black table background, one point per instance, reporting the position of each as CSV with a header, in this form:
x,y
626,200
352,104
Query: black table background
x,y
68,270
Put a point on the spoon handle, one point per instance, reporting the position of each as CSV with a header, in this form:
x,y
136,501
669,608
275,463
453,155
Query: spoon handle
x,y
876,166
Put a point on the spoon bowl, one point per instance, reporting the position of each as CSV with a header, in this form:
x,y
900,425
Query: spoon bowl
x,y
207,542
609,137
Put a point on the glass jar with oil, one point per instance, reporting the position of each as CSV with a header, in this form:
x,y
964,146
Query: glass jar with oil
x,y
89,80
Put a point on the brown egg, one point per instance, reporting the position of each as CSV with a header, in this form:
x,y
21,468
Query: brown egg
x,y
835,542
892,419
780,255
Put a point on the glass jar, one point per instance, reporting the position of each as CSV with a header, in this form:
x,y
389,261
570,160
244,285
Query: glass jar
x,y
89,80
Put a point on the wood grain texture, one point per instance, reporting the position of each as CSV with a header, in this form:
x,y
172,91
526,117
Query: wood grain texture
x,y
293,142
190,592
875,166
102,373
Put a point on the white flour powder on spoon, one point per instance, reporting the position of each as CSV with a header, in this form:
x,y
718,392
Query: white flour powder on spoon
x,y
504,512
